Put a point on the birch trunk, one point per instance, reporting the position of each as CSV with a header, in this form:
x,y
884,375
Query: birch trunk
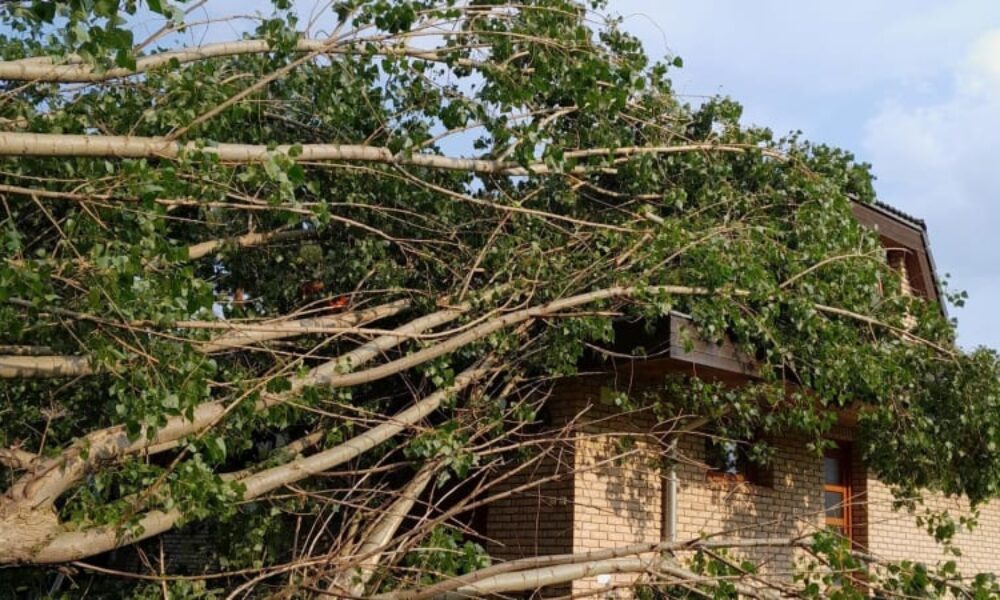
x,y
242,336
117,146
45,68
31,534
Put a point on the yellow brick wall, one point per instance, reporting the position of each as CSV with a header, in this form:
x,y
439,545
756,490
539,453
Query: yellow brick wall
x,y
609,494
617,488
790,506
537,520
894,535
620,502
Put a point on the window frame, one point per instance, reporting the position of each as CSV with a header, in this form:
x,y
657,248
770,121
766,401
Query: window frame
x,y
844,524
744,470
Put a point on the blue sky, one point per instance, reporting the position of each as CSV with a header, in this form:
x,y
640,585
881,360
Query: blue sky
x,y
911,86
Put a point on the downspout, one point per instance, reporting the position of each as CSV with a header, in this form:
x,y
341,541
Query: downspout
x,y
669,500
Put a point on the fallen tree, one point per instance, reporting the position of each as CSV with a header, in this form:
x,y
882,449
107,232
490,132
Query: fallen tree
x,y
316,291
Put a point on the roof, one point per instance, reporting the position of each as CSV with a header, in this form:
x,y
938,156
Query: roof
x,y
900,215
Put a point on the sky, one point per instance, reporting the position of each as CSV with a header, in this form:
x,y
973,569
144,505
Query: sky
x,y
910,86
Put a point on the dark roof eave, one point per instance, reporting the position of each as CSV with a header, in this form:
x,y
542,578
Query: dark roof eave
x,y
898,215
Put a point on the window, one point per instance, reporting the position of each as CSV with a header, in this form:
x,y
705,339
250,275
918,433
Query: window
x,y
906,266
837,490
729,460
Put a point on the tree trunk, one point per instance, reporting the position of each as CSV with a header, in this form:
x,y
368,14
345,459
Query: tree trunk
x,y
23,531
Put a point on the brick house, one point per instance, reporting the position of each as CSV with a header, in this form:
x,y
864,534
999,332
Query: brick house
x,y
595,496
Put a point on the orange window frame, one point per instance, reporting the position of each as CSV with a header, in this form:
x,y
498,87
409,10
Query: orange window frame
x,y
843,523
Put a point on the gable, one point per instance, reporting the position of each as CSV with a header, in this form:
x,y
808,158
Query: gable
x,y
900,231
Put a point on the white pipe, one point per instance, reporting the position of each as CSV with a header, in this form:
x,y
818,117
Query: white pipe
x,y
670,489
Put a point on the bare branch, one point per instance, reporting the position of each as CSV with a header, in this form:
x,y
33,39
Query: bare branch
x,y
239,336
249,240
536,572
111,146
30,367
16,458
380,538
48,69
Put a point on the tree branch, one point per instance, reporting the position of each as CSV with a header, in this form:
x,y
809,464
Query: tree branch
x,y
33,367
15,458
535,572
63,546
113,146
54,476
240,336
46,68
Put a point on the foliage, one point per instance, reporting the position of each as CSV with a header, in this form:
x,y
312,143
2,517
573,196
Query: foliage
x,y
595,176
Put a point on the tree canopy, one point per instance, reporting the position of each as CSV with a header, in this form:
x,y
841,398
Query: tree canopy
x,y
281,284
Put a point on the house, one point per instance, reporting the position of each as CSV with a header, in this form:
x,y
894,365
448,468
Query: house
x,y
593,495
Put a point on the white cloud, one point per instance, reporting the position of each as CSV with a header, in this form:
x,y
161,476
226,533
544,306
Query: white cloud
x,y
984,60
828,47
939,160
